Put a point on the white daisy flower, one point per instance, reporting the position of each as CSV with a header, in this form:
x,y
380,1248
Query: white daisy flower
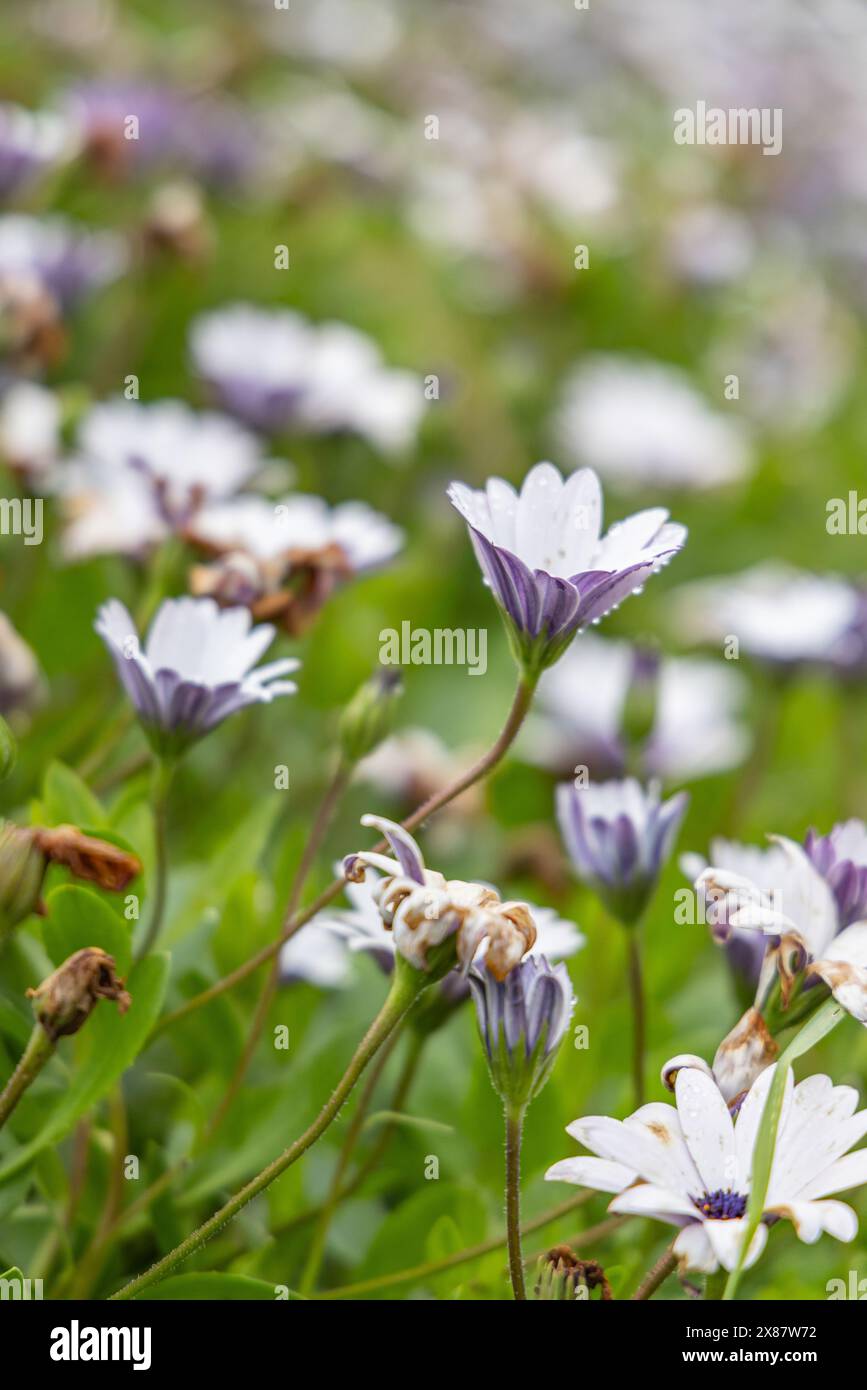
x,y
581,707
143,471
196,667
778,614
691,1166
549,567
640,423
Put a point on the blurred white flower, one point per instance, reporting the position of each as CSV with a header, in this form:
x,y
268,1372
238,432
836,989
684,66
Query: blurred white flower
x,y
276,371
30,417
709,244
779,614
68,260
696,706
30,143
640,423
283,560
143,471
21,683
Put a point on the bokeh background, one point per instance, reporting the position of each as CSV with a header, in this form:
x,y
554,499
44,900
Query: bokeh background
x,y
456,255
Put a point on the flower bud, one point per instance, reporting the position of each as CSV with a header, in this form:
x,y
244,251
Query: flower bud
x,y
561,1275
522,1021
68,997
22,869
368,717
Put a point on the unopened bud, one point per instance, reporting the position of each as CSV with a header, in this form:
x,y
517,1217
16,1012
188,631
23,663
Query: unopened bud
x,y
561,1275
68,997
22,869
369,716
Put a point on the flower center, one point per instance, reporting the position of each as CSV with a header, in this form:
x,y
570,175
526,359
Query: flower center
x,y
721,1205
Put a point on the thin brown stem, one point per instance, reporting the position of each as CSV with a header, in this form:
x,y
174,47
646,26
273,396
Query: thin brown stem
x,y
473,1252
508,734
655,1276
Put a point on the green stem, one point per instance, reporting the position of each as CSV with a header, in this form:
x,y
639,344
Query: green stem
x,y
819,1025
320,1234
33,1059
324,815
405,987
517,714
164,770
514,1129
636,994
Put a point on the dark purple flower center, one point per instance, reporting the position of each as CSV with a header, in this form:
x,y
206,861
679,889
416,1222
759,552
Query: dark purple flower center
x,y
721,1205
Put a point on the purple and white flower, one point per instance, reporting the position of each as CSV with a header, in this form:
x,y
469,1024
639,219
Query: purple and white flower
x,y
841,858
695,727
277,371
142,472
780,615
691,1166
642,423
619,836
198,667
785,898
31,142
522,1022
67,260
548,567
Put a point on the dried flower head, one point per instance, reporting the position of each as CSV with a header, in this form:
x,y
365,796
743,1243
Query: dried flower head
x,y
68,997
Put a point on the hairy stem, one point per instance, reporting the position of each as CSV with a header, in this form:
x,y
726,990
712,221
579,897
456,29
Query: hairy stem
x,y
514,1129
636,995
474,1252
655,1276
319,829
163,774
33,1059
405,988
517,714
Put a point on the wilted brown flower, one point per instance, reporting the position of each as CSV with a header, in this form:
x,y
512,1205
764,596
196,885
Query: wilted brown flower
x,y
98,861
68,997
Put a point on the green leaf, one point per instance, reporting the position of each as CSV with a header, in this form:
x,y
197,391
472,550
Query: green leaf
x,y
108,1043
812,1033
217,1286
78,917
67,799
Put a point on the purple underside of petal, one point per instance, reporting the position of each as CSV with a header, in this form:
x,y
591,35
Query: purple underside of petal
x,y
534,600
404,851
138,686
600,596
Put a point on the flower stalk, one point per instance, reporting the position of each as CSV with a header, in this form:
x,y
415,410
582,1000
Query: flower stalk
x,y
406,986
36,1054
514,1117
